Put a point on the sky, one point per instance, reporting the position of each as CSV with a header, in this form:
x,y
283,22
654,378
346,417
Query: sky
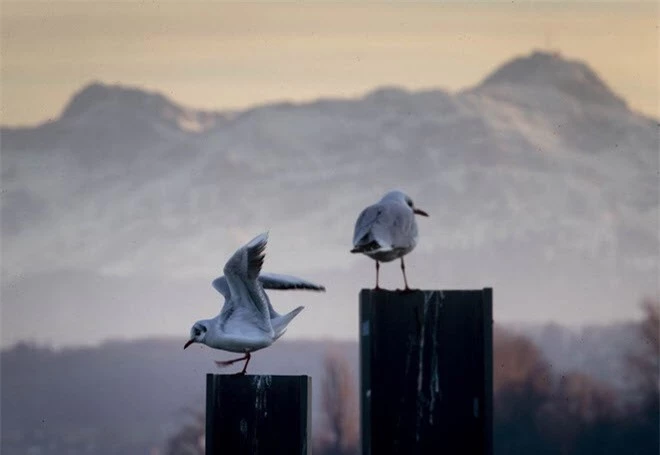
x,y
215,55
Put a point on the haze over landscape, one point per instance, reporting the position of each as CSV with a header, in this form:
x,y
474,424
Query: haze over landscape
x,y
540,182
125,195
142,144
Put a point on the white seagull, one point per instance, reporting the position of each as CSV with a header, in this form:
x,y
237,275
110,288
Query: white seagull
x,y
387,230
247,321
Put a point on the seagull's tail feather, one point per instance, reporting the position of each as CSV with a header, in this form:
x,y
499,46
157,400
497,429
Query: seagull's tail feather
x,y
279,323
369,247
279,334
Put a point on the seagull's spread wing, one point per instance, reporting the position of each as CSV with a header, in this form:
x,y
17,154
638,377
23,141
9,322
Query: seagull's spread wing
x,y
220,285
270,281
276,281
247,300
287,282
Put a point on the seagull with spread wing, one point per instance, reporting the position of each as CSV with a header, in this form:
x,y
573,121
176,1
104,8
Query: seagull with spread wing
x,y
247,322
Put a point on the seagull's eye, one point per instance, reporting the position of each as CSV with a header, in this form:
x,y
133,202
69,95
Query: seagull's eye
x,y
197,332
409,202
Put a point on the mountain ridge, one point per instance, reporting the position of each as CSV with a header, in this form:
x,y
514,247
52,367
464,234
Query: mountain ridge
x,y
547,69
529,191
538,69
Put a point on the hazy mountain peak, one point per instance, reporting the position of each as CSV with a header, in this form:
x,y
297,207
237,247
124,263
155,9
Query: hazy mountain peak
x,y
564,191
120,99
98,93
550,69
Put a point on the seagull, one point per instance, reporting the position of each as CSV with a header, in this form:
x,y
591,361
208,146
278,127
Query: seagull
x,y
387,230
247,322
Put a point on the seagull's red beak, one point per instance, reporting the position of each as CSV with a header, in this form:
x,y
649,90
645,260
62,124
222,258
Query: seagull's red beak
x,y
420,212
188,343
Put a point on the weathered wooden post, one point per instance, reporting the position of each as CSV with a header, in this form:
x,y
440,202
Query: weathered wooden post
x,y
426,372
258,414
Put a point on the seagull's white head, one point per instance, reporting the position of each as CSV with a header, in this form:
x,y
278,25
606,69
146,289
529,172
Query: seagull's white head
x,y
400,196
198,333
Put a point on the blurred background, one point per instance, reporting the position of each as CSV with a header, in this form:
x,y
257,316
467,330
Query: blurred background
x,y
143,143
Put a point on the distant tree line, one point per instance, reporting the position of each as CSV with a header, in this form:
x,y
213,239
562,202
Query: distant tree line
x,y
536,410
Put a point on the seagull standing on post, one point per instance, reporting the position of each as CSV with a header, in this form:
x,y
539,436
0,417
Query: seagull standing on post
x,y
247,322
387,230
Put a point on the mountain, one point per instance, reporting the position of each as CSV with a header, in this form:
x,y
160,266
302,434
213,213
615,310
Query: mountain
x,y
97,99
548,71
540,182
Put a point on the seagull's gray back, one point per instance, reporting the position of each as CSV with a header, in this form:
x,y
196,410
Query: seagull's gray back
x,y
389,223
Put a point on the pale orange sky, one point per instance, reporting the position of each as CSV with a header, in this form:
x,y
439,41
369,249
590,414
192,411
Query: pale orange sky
x,y
226,55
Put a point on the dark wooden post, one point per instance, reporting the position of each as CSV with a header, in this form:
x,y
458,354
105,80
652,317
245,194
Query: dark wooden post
x,y
426,372
258,414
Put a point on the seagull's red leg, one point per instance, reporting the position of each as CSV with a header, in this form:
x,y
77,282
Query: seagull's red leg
x,y
377,270
247,360
403,269
226,363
